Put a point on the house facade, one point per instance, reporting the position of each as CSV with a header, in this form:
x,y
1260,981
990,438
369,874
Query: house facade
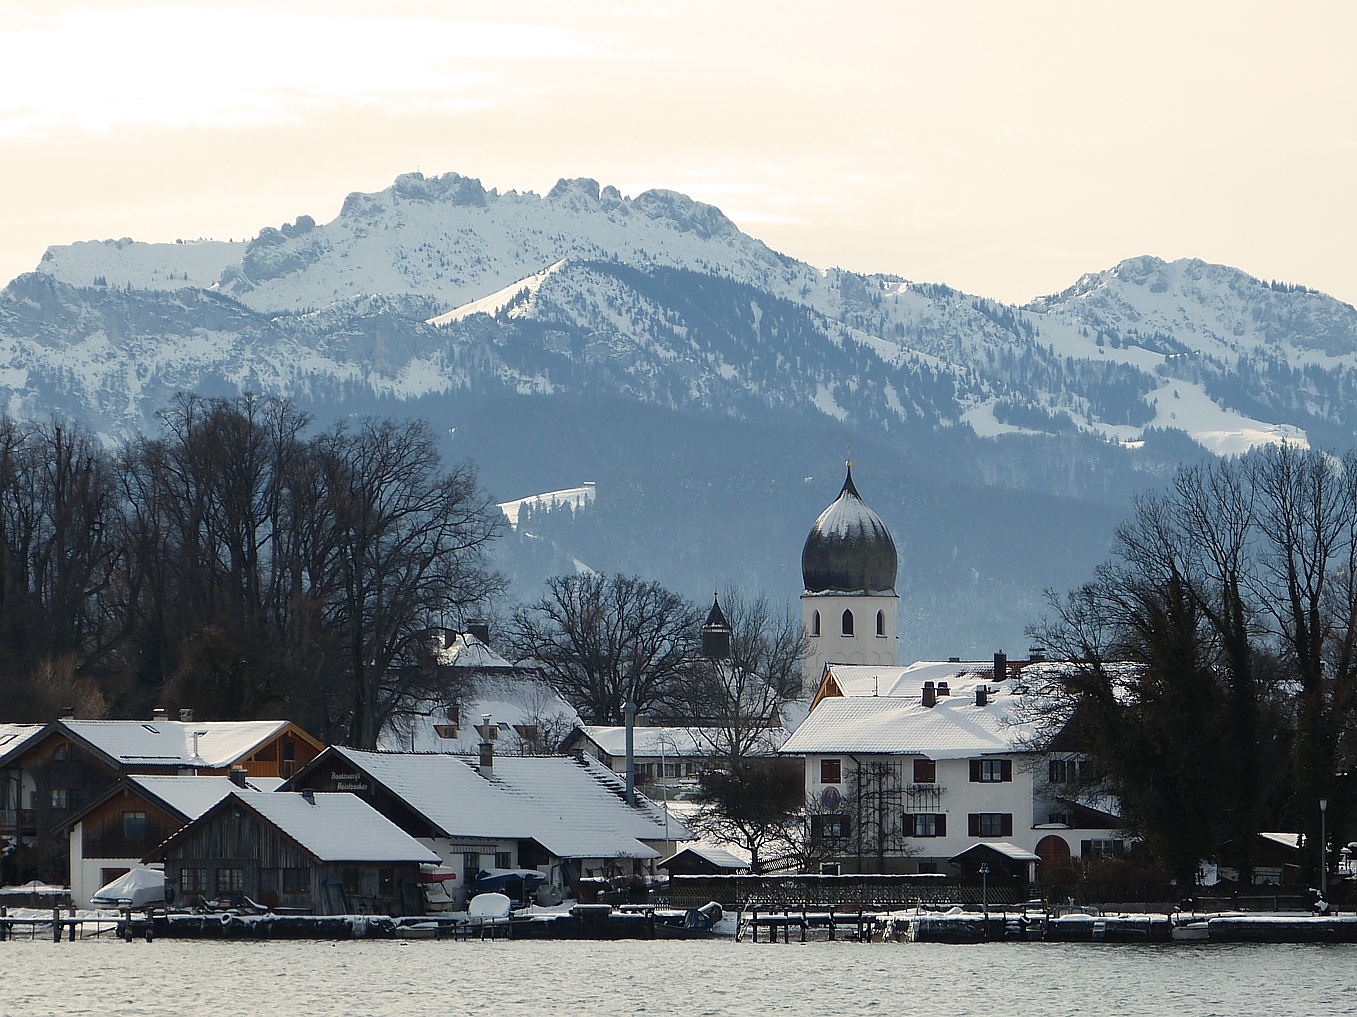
x,y
907,769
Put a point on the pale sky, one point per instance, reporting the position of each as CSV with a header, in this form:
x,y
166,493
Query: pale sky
x,y
1001,147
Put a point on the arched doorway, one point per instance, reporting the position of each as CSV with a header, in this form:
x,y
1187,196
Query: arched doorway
x,y
1054,853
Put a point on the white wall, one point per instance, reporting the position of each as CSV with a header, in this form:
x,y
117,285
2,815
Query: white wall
x,y
86,874
832,646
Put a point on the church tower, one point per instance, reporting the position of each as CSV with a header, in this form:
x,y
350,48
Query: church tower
x,y
849,608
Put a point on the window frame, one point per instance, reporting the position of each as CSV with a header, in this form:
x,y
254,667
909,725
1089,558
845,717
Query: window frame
x,y
990,770
830,767
985,824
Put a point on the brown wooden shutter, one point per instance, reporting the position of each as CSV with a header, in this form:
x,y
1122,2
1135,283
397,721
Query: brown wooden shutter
x,y
975,771
973,822
1006,825
942,824
1006,766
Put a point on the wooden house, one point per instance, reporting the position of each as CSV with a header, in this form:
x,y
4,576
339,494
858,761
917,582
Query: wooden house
x,y
114,832
69,763
325,854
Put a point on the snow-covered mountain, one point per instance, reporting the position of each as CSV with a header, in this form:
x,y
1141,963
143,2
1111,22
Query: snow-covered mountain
x,y
441,298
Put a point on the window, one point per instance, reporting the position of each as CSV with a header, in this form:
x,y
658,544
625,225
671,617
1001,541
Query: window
x,y
881,623
230,880
1058,770
925,771
990,824
646,770
991,771
671,769
926,824
193,880
490,732
848,623
353,880
61,799
815,624
528,732
296,881
1101,849
829,827
59,754
107,876
386,882
831,771
269,881
1063,818
445,730
134,826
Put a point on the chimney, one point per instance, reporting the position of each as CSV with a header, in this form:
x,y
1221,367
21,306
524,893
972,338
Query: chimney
x,y
309,795
68,713
160,713
238,776
943,690
487,767
930,695
981,695
479,628
1000,666
1036,654
954,660
186,716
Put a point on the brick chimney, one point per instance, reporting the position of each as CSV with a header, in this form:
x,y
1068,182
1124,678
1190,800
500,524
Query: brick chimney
x,y
930,699
238,776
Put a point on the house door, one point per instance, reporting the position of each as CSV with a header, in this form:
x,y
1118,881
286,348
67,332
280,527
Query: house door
x,y
471,868
1053,852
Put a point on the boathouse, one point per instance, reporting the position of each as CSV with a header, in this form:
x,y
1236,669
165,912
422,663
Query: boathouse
x,y
324,854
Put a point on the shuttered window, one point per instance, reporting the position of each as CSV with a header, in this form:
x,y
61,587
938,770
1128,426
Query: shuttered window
x,y
991,771
990,824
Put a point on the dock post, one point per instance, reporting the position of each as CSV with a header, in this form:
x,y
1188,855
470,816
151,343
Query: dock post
x,y
56,924
4,926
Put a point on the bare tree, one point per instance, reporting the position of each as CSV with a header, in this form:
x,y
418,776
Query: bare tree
x,y
606,640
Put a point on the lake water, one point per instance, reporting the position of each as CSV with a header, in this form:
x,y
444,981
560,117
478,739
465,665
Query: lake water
x,y
688,978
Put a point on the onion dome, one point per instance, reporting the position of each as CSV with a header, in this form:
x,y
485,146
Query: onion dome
x,y
849,549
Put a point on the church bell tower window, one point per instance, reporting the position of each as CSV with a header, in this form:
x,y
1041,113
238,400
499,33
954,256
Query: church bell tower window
x,y
848,623
815,625
881,623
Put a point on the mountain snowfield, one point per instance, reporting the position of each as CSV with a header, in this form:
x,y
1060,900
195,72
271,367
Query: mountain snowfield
x,y
643,340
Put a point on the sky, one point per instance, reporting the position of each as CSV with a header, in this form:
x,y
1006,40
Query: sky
x,y
1004,148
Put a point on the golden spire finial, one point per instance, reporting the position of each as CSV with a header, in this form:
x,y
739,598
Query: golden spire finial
x,y
849,461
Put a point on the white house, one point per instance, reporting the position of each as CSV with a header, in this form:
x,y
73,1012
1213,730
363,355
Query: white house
x,y
527,715
909,768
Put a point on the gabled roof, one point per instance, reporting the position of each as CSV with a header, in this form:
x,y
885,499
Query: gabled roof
x,y
514,698
186,797
669,741
953,729
466,650
574,808
717,856
337,827
1002,847
170,743
14,737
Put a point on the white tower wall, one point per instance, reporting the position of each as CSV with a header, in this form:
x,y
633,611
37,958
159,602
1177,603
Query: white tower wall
x,y
832,646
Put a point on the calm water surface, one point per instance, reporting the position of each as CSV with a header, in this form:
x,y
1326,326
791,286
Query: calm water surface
x,y
692,979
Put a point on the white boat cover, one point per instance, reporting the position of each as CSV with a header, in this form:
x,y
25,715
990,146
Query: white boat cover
x,y
143,887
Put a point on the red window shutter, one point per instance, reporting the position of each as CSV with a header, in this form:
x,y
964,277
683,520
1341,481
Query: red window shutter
x,y
975,771
942,824
1006,825
973,822
1006,765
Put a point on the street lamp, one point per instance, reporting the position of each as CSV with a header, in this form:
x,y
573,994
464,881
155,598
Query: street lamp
x,y
1323,847
984,893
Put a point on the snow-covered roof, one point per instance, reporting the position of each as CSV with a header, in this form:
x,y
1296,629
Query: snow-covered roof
x,y
574,808
15,736
1003,847
171,742
671,741
466,650
718,856
953,729
514,699
193,796
337,827
1289,840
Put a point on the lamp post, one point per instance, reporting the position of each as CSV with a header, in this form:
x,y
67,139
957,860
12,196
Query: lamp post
x,y
984,893
629,713
1323,847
